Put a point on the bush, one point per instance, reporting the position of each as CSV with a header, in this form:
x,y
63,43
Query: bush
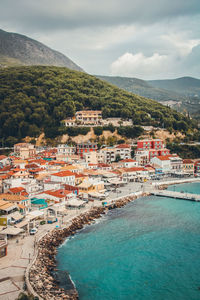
x,y
129,131
98,130
74,131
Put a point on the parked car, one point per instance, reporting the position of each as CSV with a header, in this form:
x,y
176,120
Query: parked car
x,y
33,231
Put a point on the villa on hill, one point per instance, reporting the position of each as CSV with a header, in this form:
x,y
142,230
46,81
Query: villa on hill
x,y
94,118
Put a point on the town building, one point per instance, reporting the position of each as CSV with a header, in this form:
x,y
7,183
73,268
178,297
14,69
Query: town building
x,y
24,150
123,150
147,149
83,148
162,164
188,166
89,117
67,150
66,177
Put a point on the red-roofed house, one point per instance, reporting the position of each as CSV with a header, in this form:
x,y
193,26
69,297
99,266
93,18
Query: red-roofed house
x,y
17,191
129,163
163,163
64,176
147,149
57,195
134,174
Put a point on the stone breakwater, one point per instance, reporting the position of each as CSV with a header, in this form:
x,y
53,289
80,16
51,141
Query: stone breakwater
x,y
42,272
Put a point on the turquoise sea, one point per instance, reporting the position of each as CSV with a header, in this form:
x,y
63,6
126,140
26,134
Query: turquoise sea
x,y
150,249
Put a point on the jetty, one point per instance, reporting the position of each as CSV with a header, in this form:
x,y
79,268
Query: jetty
x,y
176,195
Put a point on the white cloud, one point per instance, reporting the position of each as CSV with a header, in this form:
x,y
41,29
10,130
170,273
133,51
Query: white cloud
x,y
139,65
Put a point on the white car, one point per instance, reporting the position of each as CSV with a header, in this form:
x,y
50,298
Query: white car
x,y
33,231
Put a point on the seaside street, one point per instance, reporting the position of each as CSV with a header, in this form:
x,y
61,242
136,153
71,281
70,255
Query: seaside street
x,y
21,251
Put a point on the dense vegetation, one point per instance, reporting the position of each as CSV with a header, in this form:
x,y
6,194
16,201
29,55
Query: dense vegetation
x,y
185,151
37,98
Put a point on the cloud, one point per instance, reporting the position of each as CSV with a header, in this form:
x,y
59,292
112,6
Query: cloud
x,y
139,65
135,37
179,57
47,15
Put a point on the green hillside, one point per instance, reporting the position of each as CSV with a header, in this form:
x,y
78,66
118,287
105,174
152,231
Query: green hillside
x,y
34,99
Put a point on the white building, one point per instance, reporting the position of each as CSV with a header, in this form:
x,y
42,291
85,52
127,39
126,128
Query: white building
x,y
66,177
124,150
162,162
66,149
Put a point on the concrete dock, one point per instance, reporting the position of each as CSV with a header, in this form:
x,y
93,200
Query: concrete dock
x,y
176,195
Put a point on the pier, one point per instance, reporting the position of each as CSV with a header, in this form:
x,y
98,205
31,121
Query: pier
x,y
176,195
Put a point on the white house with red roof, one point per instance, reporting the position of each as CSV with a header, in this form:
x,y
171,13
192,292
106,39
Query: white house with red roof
x,y
66,177
129,163
57,196
134,174
163,163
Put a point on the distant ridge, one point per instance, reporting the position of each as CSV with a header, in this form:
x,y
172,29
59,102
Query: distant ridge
x,y
17,49
185,85
143,88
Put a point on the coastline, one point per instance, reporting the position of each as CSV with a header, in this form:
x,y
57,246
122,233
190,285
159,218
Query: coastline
x,y
40,276
41,273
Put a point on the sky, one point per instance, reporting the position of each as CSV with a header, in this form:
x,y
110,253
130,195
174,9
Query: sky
x,y
147,39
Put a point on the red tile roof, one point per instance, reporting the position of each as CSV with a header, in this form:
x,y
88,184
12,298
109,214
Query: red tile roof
x,y
128,160
16,190
63,174
2,157
163,157
123,146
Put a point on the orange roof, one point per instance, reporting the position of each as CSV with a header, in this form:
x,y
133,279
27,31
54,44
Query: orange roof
x,y
63,174
2,157
5,176
128,160
163,157
10,197
58,193
21,206
5,169
134,169
16,190
123,146
79,175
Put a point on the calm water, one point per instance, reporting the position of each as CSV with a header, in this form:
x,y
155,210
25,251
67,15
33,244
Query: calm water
x,y
149,249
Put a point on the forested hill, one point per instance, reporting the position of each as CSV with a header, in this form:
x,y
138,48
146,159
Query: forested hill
x,y
36,98
17,49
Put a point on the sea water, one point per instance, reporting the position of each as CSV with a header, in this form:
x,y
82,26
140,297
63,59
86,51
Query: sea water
x,y
149,249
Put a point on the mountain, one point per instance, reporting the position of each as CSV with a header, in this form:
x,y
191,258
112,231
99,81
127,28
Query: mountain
x,y
35,99
17,49
187,86
143,88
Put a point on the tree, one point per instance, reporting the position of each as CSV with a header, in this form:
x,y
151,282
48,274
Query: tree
x,y
118,158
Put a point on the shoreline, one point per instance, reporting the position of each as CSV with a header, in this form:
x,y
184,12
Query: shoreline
x,y
41,278
41,273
